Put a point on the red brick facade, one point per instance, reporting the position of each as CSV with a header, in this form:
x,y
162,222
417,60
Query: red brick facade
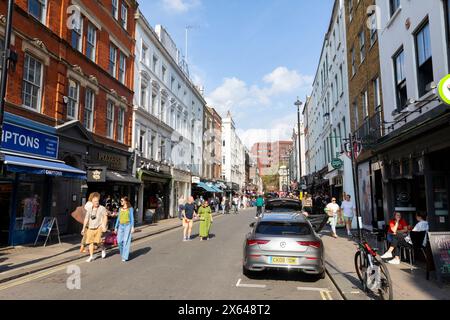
x,y
51,44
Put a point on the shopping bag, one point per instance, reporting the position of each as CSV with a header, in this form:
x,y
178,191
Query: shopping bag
x,y
111,239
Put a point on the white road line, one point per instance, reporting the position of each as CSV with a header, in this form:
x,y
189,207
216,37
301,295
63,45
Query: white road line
x,y
312,289
260,286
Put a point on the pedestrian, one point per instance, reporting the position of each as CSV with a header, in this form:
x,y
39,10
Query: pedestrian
x,y
188,219
125,228
333,209
206,220
181,202
349,210
87,207
224,200
259,205
96,223
235,204
308,204
227,205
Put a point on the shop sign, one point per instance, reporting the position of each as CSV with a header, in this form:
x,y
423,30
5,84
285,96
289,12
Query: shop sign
x,y
337,163
96,175
440,247
112,161
20,139
444,90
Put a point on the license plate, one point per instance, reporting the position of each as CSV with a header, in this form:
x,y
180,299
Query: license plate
x,y
279,260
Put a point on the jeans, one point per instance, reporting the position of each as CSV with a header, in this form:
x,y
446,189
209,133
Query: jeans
x,y
334,219
258,210
124,240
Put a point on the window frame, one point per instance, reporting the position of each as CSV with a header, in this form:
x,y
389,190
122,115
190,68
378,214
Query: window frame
x,y
122,76
74,100
121,125
400,85
124,15
428,62
113,62
110,120
362,46
79,47
115,13
40,85
90,44
394,8
43,13
91,109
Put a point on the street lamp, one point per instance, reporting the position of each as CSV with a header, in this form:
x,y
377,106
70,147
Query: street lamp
x,y
298,104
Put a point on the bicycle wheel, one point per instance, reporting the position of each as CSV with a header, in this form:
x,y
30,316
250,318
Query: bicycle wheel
x,y
360,265
386,292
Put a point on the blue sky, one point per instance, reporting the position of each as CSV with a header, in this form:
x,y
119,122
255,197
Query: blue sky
x,y
254,57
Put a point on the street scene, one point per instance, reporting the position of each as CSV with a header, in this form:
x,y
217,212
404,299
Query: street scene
x,y
225,150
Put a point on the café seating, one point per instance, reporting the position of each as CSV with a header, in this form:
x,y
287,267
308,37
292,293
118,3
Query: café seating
x,y
416,248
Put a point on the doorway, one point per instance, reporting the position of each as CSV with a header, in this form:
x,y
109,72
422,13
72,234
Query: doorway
x,y
5,216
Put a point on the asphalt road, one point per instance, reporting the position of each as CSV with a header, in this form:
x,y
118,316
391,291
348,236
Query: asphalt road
x,y
164,267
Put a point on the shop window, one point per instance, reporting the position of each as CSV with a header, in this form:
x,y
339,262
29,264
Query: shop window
x,y
424,58
30,202
440,192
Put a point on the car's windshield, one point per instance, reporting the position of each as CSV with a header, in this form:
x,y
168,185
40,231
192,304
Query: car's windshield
x,y
283,206
283,228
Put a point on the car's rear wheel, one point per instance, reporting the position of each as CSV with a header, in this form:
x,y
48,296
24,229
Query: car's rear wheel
x,y
246,272
322,275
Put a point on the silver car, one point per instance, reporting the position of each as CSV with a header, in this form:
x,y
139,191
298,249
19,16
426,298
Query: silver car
x,y
283,241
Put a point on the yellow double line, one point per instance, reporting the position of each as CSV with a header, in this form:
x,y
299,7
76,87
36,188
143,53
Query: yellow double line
x,y
326,295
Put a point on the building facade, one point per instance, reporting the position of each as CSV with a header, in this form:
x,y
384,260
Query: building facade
x,y
167,123
327,114
414,57
73,73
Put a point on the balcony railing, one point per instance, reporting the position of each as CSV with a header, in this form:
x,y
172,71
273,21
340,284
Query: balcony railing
x,y
371,130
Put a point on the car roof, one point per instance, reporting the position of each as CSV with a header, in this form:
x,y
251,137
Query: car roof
x,y
283,200
280,217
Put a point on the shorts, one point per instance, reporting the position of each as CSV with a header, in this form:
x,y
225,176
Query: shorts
x,y
94,236
188,222
347,219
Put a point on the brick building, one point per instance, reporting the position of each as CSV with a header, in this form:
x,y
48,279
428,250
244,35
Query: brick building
x,y
270,156
74,80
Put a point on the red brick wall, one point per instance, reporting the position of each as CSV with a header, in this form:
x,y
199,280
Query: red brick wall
x,y
57,40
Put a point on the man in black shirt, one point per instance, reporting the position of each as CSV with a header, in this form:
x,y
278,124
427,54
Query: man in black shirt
x,y
188,219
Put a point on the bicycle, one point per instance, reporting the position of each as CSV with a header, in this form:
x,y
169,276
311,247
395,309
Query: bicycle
x,y
372,271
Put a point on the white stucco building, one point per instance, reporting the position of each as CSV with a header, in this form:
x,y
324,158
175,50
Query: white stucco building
x,y
233,155
326,113
167,119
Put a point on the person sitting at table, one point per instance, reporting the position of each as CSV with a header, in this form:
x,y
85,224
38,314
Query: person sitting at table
x,y
398,229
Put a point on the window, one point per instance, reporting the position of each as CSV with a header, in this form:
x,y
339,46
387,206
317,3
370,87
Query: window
x,y
424,58
400,79
122,68
32,83
362,46
73,95
144,56
37,9
377,93
162,149
115,9
112,60
355,115
124,16
150,147
373,30
154,104
155,64
89,109
172,82
144,95
350,9
342,79
164,71
120,125
77,36
394,6
337,88
91,42
110,120
365,106
352,52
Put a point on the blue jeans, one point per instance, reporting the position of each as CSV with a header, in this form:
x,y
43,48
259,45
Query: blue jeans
x,y
124,240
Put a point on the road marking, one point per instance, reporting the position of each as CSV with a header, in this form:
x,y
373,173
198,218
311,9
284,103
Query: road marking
x,y
312,289
240,285
31,278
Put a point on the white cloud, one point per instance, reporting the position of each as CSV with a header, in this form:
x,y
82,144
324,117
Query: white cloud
x,y
180,6
235,94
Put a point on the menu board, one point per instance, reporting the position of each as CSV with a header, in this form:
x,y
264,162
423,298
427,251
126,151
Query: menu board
x,y
440,247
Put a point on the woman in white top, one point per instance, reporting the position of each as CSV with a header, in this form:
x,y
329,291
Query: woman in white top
x,y
333,210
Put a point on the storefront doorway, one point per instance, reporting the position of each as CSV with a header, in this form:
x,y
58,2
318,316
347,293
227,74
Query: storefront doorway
x,y
6,190
156,198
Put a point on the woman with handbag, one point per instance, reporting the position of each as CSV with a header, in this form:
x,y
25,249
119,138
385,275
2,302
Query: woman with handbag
x,y
333,209
124,228
206,220
95,223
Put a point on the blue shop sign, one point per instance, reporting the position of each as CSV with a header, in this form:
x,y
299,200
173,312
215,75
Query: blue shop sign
x,y
27,141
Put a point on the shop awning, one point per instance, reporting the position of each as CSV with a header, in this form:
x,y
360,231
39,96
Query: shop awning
x,y
42,166
218,190
205,187
115,176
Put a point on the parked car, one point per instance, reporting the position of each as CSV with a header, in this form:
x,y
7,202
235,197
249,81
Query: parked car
x,y
283,205
283,241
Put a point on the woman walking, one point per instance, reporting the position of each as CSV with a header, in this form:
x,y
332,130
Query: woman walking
x,y
206,220
95,223
124,228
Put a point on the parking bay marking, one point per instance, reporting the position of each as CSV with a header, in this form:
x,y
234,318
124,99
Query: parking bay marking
x,y
241,285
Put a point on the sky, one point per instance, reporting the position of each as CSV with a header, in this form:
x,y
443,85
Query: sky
x,y
253,57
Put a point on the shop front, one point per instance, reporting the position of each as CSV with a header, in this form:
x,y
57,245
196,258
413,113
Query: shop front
x,y
181,187
30,172
416,171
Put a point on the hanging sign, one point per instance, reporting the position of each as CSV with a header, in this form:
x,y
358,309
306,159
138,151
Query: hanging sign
x,y
444,90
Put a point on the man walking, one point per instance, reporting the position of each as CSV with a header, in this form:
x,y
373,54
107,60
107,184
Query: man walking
x,y
188,219
259,205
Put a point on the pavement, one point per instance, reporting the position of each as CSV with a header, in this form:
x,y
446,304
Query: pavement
x,y
163,267
407,284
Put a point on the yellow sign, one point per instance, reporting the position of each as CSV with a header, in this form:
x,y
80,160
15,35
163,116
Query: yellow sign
x,y
444,90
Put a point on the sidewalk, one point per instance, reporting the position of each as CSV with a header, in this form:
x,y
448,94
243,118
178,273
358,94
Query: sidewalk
x,y
339,255
20,261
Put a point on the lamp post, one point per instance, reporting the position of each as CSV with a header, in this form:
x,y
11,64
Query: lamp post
x,y
298,104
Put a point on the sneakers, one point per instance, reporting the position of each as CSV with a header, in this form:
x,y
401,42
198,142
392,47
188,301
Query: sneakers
x,y
394,261
185,239
387,255
103,254
90,259
123,260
